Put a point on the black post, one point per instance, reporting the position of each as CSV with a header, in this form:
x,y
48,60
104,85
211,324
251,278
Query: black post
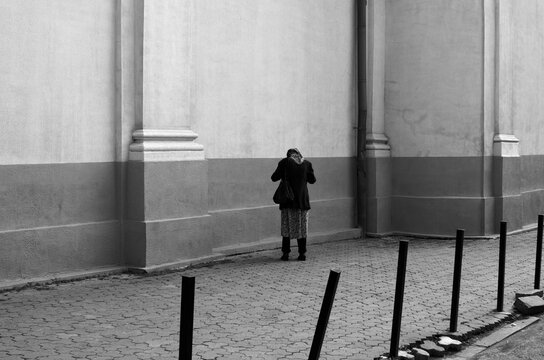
x,y
502,263
399,298
324,314
456,279
186,318
538,251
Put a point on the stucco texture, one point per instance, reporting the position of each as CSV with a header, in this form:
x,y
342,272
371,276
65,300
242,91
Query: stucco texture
x,y
433,77
270,75
528,78
57,81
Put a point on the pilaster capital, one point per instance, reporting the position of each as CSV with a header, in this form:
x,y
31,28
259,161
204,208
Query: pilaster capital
x,y
505,145
377,145
165,145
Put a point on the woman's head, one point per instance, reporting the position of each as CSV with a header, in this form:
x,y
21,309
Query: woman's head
x,y
295,155
293,151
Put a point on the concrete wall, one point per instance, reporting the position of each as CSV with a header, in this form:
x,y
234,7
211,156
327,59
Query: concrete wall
x,y
251,78
528,108
57,144
462,87
528,85
433,114
433,78
267,76
270,75
58,81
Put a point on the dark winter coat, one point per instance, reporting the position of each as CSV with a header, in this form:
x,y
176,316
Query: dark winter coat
x,y
298,176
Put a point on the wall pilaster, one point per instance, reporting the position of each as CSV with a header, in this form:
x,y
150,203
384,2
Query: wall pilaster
x,y
506,155
507,181
379,184
167,177
378,150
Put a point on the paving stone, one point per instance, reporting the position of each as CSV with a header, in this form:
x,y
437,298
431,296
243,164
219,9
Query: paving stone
x,y
530,292
432,348
529,305
259,304
449,343
404,355
420,354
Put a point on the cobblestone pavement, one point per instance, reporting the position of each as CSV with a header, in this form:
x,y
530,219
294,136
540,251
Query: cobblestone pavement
x,y
254,306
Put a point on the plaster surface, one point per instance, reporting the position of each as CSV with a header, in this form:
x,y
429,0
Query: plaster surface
x,y
240,198
178,239
429,194
528,75
175,189
437,176
270,75
438,215
46,251
437,195
58,218
532,187
249,225
166,63
242,183
57,86
433,77
56,194
533,172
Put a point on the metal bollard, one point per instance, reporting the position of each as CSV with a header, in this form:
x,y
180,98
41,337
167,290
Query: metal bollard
x,y
502,265
186,318
456,279
538,263
399,298
324,314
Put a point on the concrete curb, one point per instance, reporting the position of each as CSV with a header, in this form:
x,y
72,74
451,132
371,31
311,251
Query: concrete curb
x,y
524,229
275,242
20,284
219,255
175,266
493,338
501,320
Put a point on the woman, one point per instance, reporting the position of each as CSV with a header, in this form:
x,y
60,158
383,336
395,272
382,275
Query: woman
x,y
294,214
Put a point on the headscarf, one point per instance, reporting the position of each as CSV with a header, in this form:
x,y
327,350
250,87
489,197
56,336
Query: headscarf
x,y
295,154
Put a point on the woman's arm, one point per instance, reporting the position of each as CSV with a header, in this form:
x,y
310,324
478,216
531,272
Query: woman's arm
x,y
278,174
310,177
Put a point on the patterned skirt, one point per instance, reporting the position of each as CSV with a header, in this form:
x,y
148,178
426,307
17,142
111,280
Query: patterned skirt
x,y
294,223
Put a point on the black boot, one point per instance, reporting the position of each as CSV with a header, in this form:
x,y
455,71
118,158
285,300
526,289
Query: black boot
x,y
301,249
285,248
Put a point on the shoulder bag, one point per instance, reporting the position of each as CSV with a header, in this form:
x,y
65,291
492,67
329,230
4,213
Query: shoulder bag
x,y
284,192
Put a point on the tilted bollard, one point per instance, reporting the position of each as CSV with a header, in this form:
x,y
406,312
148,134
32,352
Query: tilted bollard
x,y
324,314
538,263
186,318
502,266
456,279
399,298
